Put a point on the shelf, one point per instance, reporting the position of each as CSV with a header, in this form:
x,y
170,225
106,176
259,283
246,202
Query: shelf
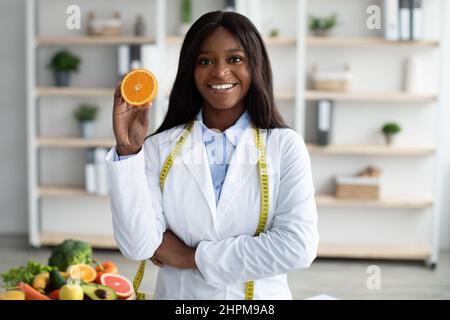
x,y
365,41
392,252
75,142
93,40
74,91
270,41
64,192
369,150
312,95
385,202
96,241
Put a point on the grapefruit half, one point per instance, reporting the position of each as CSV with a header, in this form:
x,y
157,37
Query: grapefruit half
x,y
121,285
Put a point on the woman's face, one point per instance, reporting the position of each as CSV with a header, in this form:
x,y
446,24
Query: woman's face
x,y
222,72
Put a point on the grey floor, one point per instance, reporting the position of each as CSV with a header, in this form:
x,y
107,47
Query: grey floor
x,y
341,279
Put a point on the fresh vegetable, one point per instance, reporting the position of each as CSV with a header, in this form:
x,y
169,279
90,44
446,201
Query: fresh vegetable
x,y
31,293
70,252
24,274
54,295
57,280
106,267
40,282
71,292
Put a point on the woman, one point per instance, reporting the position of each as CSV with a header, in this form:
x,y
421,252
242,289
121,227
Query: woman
x,y
221,195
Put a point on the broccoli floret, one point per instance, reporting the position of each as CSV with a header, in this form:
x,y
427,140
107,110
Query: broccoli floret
x,y
70,252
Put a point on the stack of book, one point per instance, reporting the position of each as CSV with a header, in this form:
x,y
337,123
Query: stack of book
x,y
403,20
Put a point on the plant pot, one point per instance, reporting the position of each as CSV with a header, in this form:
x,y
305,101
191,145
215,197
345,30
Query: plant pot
x,y
87,129
389,138
62,78
321,33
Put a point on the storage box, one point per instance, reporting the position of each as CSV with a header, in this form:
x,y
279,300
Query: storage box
x,y
331,80
357,187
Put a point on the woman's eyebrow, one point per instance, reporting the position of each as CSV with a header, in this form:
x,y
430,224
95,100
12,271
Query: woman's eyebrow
x,y
229,50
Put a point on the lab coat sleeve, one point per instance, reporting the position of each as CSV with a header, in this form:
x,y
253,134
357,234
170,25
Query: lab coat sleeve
x,y
290,243
136,202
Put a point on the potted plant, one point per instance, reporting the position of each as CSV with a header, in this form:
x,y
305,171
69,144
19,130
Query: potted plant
x,y
389,130
186,16
86,114
322,26
62,64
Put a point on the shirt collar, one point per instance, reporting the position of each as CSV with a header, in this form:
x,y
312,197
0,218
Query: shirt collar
x,y
233,133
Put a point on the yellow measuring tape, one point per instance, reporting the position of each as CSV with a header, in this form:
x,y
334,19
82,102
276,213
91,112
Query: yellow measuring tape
x,y
264,183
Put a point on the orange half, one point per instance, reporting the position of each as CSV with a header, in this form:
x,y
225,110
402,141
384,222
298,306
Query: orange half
x,y
83,272
139,87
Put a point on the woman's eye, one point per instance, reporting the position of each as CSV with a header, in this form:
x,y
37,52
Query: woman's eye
x,y
204,61
235,59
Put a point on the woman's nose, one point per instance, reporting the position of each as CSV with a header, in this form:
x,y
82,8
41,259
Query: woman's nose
x,y
220,70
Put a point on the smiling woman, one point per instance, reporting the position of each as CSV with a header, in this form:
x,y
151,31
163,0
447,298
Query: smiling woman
x,y
219,223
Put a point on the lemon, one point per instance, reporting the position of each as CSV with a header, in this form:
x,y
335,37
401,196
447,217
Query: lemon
x,y
71,292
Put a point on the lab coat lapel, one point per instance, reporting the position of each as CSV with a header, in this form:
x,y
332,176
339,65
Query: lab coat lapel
x,y
193,155
243,162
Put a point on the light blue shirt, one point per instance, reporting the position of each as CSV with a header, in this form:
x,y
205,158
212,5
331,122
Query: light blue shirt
x,y
219,147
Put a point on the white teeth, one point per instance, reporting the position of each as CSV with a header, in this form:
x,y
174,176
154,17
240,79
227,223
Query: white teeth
x,y
222,86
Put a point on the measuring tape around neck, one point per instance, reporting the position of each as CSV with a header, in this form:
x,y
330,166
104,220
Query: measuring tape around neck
x,y
264,209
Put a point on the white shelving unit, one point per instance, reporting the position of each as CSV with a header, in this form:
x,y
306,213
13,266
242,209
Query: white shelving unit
x,y
47,198
341,222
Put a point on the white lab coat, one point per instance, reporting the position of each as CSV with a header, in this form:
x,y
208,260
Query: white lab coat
x,y
228,254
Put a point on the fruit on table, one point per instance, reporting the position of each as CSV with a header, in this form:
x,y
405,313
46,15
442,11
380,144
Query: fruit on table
x,y
70,252
139,87
121,285
106,267
83,272
12,295
31,293
98,292
41,281
71,292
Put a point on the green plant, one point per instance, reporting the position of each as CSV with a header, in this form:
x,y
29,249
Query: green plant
x,y
86,112
273,32
64,61
186,11
391,128
322,23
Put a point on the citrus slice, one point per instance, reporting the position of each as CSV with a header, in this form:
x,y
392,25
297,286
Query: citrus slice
x,y
83,272
139,87
121,285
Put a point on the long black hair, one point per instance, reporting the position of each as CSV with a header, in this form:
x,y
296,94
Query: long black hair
x,y
185,100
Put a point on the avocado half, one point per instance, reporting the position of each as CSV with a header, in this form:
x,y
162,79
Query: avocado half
x,y
98,292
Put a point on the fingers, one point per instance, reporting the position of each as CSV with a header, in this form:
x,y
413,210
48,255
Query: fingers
x,y
156,262
118,95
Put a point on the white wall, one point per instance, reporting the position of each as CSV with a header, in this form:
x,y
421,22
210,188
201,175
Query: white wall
x,y
13,216
13,188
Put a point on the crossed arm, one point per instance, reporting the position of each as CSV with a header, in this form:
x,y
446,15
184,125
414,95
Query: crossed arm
x,y
174,252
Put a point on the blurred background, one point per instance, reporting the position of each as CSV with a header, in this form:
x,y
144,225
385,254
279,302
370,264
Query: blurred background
x,y
365,82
